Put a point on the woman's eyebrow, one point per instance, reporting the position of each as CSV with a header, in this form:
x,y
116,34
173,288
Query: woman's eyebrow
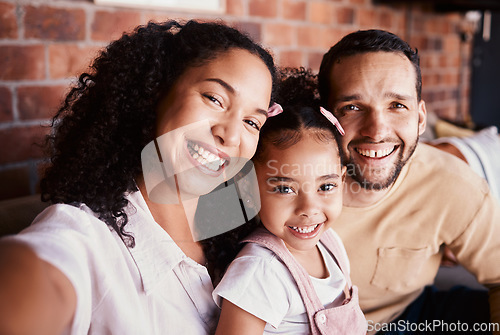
x,y
231,90
223,84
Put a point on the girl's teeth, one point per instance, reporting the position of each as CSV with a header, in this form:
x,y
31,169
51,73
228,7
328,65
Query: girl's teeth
x,y
304,230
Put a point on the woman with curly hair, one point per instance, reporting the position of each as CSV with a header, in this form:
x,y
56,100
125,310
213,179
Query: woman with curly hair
x,y
109,257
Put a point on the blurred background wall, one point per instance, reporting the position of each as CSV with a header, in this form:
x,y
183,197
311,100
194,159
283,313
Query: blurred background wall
x,y
44,45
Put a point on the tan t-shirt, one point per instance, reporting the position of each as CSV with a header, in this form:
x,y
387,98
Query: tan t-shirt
x,y
394,245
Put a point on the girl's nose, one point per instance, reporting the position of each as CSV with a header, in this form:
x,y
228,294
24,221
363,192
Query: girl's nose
x,y
306,205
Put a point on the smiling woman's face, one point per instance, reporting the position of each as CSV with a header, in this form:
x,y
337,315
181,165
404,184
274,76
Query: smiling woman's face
x,y
208,124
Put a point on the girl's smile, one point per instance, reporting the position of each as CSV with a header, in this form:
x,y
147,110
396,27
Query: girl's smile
x,y
305,182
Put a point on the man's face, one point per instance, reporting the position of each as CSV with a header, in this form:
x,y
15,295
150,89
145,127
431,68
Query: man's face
x,y
375,99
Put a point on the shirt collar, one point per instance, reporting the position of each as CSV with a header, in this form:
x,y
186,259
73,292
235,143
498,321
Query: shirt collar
x,y
155,252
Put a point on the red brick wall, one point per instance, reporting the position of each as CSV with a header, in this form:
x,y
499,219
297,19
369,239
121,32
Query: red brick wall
x,y
44,44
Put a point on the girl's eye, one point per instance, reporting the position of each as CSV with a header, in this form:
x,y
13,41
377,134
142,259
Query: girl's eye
x,y
253,124
282,189
327,187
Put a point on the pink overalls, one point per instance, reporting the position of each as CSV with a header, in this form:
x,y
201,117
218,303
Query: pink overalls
x,y
345,319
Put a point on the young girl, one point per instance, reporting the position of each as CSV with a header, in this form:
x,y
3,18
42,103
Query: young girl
x,y
293,275
107,257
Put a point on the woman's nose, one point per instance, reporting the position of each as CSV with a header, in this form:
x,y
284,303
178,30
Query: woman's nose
x,y
227,130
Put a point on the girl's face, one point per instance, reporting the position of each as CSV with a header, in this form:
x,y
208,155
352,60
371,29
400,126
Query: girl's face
x,y
301,191
208,124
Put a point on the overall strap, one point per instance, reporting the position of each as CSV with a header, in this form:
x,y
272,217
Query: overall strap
x,y
311,301
334,244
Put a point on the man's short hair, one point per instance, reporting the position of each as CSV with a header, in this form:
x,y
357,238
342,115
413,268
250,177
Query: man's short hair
x,y
364,41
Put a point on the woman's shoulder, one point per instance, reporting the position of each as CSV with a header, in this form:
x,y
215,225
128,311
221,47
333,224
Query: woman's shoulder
x,y
64,216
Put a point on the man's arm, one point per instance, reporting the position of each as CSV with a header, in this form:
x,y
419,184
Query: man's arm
x,y
35,297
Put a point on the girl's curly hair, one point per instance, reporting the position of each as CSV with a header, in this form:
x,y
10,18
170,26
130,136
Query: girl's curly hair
x,y
109,115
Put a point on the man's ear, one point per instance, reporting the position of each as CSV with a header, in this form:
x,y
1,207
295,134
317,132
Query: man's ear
x,y
344,170
422,117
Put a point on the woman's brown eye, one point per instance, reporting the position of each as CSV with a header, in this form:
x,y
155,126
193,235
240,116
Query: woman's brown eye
x,y
253,124
213,99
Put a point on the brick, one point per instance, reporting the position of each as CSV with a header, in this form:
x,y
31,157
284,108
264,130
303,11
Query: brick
x,y
434,43
8,21
22,143
5,105
367,18
320,12
24,62
39,102
15,182
310,36
252,29
427,97
235,7
428,62
264,8
330,37
428,80
69,60
292,58
60,24
418,24
109,26
452,60
278,34
451,44
314,60
294,10
437,26
386,19
451,79
344,15
418,42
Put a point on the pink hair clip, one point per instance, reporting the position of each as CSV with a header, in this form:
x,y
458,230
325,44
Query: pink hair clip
x,y
274,110
332,119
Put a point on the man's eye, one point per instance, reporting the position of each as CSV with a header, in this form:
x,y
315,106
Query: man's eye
x,y
397,105
350,108
282,189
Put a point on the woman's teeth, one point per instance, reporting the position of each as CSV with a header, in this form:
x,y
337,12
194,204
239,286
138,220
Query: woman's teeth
x,y
305,230
375,153
205,157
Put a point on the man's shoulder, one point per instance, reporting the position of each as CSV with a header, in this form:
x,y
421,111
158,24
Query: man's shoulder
x,y
433,166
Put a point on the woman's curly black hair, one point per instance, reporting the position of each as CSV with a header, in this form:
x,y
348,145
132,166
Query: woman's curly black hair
x,y
298,94
109,115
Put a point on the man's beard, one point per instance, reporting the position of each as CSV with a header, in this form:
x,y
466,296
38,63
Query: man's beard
x,y
355,173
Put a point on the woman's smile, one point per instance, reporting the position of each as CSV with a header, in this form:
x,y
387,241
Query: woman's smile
x,y
206,158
